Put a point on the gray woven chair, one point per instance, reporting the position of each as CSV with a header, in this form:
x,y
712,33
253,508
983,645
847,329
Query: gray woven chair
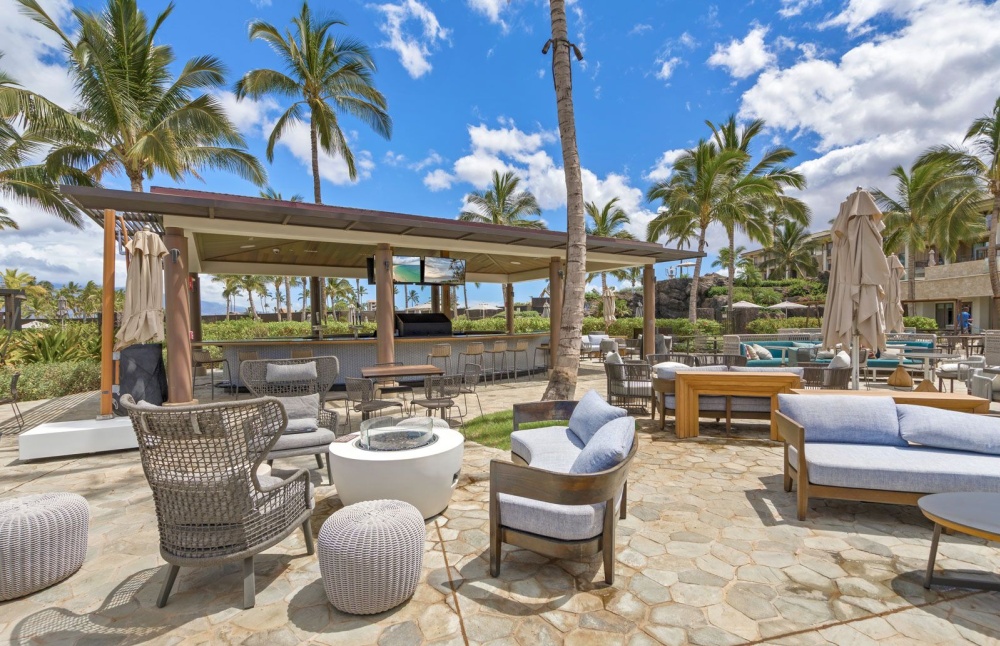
x,y
822,376
470,382
391,386
676,357
211,506
440,393
301,385
630,384
361,395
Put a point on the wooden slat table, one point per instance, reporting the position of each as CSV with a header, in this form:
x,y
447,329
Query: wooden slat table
x,y
946,401
392,372
690,385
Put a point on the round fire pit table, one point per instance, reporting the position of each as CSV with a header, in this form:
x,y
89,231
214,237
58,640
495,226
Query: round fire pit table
x,y
416,460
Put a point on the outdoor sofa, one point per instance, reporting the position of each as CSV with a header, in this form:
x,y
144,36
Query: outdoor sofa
x,y
565,486
870,449
717,406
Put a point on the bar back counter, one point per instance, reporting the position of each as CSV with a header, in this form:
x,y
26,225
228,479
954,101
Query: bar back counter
x,y
355,354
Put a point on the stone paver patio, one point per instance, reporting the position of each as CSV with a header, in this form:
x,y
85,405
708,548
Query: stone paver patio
x,y
711,553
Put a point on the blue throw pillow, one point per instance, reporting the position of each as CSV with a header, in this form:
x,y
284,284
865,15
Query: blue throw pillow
x,y
609,446
949,429
591,414
850,419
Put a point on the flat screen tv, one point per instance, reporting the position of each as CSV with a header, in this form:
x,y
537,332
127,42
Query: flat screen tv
x,y
406,269
444,271
370,266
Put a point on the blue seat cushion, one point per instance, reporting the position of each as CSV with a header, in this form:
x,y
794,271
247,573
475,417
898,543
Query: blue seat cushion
x,y
948,429
760,363
777,344
609,446
283,372
899,468
844,418
565,522
892,363
553,448
590,414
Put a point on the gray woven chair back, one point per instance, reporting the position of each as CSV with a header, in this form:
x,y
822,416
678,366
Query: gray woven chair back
x,y
201,462
253,374
443,386
720,360
686,359
991,348
360,390
471,375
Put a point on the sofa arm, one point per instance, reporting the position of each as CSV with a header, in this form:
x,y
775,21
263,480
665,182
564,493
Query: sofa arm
x,y
545,411
982,386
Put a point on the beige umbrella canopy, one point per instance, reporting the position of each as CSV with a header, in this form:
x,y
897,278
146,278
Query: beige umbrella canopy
x,y
855,296
787,305
745,305
142,321
609,306
893,296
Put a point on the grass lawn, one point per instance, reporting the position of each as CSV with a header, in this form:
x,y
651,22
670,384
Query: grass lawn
x,y
494,429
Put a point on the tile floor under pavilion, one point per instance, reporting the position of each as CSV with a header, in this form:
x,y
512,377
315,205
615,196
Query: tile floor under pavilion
x,y
711,553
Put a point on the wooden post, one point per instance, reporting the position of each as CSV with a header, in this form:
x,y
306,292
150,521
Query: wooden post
x,y
446,301
108,315
508,306
316,298
195,307
436,299
555,306
384,314
178,306
648,310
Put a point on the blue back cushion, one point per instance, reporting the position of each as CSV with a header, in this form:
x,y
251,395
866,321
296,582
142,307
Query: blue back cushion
x,y
948,429
844,418
591,414
609,446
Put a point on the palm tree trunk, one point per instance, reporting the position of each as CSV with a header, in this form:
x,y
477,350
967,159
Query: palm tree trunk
x,y
253,310
465,297
731,278
314,142
288,298
562,382
229,301
695,278
305,288
991,260
911,272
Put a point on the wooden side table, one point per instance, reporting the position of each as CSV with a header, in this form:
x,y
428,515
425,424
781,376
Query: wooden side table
x,y
689,385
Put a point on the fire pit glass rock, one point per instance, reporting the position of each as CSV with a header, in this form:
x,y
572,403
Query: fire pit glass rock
x,y
391,434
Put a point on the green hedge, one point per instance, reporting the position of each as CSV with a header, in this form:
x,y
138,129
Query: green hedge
x,y
922,323
771,326
48,380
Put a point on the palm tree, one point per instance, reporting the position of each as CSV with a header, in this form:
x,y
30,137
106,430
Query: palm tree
x,y
414,297
340,292
134,116
792,250
728,257
608,221
17,279
562,381
252,285
983,164
327,76
22,115
698,193
757,189
231,288
503,204
934,204
269,193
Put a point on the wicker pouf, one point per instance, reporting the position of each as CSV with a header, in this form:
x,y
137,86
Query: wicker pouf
x,y
370,555
43,540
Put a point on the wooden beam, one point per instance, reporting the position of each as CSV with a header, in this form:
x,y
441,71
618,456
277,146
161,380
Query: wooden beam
x,y
648,310
446,300
508,306
195,307
384,305
108,315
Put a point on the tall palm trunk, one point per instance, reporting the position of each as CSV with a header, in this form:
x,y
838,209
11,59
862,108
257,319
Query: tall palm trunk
x,y
288,298
253,310
695,278
314,144
465,297
229,302
911,272
731,278
562,383
991,251
305,295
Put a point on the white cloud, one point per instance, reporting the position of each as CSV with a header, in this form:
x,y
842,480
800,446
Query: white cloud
x,y
492,9
858,13
393,159
438,180
33,55
414,49
260,4
667,66
888,98
639,29
247,115
687,40
744,57
432,159
791,8
663,167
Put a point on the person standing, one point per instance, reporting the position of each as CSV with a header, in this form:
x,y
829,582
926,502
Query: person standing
x,y
966,321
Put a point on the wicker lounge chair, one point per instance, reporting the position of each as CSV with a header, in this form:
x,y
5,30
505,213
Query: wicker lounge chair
x,y
301,386
211,506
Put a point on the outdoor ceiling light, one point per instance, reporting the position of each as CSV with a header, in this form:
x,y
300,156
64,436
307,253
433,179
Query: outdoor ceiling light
x,y
515,262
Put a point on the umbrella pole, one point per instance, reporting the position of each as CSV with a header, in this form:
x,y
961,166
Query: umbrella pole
x,y
855,365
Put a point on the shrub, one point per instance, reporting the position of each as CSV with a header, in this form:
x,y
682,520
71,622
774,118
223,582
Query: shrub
x,y
75,342
922,323
47,380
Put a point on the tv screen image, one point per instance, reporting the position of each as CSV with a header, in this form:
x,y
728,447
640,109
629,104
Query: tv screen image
x,y
444,271
406,269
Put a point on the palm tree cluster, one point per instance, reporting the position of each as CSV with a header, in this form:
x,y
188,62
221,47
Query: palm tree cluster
x,y
82,302
720,182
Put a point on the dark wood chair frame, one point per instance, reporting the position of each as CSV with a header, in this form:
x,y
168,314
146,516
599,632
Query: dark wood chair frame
x,y
793,434
517,478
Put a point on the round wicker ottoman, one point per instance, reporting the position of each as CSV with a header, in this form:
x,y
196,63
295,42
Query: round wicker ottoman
x,y
43,540
370,555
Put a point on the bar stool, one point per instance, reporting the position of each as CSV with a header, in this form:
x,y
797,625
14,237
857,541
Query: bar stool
x,y
520,347
499,349
440,351
474,351
248,355
302,353
545,350
203,359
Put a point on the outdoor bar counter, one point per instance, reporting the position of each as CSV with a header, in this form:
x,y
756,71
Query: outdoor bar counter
x,y
355,354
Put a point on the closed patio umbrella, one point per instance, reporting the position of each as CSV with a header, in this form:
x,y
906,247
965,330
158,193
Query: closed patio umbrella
x,y
142,320
609,306
546,310
639,311
893,296
855,296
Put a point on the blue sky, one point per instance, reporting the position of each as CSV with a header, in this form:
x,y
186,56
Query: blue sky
x,y
854,86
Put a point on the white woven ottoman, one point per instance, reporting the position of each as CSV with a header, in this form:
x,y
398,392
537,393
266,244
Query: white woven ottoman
x,y
43,540
370,555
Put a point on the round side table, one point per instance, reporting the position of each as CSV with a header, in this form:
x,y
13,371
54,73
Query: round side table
x,y
973,513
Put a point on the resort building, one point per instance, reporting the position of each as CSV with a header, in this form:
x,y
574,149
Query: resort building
x,y
823,252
